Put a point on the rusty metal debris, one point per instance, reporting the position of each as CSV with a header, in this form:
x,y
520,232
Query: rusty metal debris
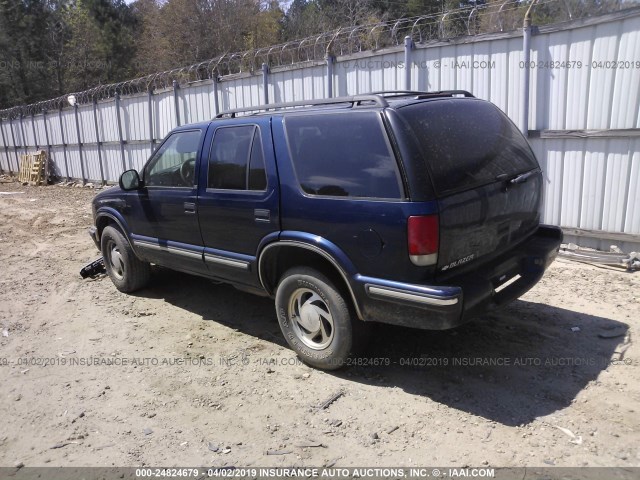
x,y
617,258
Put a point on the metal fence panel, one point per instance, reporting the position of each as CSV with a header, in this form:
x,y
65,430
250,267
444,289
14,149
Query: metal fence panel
x,y
16,135
241,91
164,114
572,170
197,102
107,121
86,123
73,162
616,185
41,136
309,78
69,125
26,128
591,184
91,163
53,127
135,117
112,163
632,217
5,164
626,87
6,152
137,155
549,154
58,163
593,187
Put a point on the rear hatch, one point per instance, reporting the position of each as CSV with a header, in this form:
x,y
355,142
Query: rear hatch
x,y
485,175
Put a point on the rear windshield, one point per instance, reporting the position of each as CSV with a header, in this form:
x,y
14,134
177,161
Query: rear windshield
x,y
467,143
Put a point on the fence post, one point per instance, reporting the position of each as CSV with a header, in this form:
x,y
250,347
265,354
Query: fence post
x,y
119,122
330,61
46,137
526,50
151,138
265,82
24,138
15,147
98,143
33,127
216,107
175,101
75,112
408,46
64,145
6,149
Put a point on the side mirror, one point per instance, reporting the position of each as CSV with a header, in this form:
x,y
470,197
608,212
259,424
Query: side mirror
x,y
130,180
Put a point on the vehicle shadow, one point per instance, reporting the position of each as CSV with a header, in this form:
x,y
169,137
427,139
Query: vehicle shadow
x,y
511,367
526,361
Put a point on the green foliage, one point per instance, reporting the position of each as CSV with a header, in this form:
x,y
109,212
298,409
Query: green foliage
x,y
27,54
51,47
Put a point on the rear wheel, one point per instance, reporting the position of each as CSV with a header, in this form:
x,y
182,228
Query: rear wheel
x,y
315,318
127,272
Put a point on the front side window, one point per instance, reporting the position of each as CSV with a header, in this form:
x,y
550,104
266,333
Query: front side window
x,y
173,165
344,155
236,160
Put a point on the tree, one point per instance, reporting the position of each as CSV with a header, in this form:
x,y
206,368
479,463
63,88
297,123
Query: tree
x,y
26,52
183,32
50,47
100,43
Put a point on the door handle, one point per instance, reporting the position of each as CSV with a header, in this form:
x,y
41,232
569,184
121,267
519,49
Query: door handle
x,y
262,215
189,208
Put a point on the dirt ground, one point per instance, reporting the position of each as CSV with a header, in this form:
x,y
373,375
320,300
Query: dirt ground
x,y
188,373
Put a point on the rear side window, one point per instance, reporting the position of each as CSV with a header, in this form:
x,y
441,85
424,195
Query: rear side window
x,y
236,160
467,143
344,155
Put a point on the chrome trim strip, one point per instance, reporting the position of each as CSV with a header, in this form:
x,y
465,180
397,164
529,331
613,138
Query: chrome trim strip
x,y
226,261
296,243
177,251
410,296
504,285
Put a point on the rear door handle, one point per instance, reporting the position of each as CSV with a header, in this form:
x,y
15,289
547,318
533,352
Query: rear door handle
x,y
189,208
262,215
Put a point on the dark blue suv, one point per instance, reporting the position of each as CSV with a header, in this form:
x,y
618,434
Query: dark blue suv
x,y
413,208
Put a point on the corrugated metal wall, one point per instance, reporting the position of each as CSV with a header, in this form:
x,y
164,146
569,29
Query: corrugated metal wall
x,y
584,111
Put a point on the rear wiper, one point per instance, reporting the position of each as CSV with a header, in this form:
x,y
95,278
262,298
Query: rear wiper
x,y
523,177
516,179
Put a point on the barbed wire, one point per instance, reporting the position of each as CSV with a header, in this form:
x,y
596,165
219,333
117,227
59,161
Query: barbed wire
x,y
488,18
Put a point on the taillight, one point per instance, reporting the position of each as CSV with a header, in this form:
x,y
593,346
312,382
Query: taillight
x,y
423,237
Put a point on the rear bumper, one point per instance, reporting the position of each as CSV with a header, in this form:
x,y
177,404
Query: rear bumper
x,y
493,285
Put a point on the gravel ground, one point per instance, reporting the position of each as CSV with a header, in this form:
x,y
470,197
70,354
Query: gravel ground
x,y
190,373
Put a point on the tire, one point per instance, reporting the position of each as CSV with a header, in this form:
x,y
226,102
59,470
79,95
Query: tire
x,y
127,272
315,319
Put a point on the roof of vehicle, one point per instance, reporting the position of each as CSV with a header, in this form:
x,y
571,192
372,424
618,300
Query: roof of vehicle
x,y
370,101
375,100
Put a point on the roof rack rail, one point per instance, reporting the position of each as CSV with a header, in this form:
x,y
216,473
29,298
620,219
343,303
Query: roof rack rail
x,y
354,100
386,93
447,93
420,94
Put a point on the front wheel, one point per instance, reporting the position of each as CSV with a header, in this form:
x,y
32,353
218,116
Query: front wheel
x,y
127,272
315,318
